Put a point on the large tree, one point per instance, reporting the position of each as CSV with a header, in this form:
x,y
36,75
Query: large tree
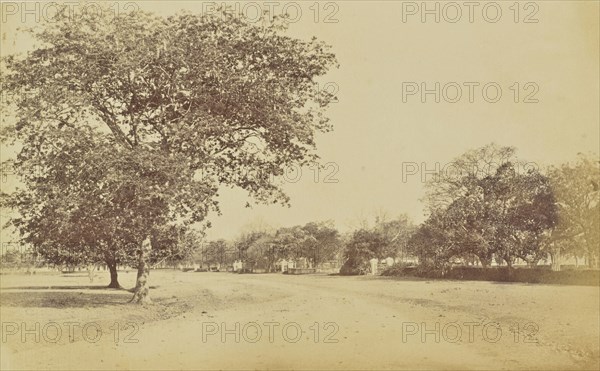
x,y
199,92
263,252
365,244
431,243
577,192
95,204
216,252
396,233
322,243
461,176
521,209
493,206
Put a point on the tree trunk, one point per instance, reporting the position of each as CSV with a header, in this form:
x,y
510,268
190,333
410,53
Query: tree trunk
x,y
556,257
592,259
593,262
114,282
140,293
509,264
485,262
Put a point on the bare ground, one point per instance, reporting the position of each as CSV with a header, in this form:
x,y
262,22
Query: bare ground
x,y
229,321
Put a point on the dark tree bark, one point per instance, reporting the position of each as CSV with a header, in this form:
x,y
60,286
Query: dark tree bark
x,y
114,282
509,268
592,258
485,261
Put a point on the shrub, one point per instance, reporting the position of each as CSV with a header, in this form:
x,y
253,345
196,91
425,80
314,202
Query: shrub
x,y
354,267
502,274
399,269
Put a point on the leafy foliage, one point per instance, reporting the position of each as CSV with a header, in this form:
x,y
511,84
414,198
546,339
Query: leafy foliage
x,y
577,193
505,213
128,125
317,242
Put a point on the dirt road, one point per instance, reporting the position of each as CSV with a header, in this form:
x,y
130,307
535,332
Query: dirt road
x,y
314,322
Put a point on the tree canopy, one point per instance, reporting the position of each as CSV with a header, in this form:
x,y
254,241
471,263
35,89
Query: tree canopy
x,y
577,193
134,121
504,211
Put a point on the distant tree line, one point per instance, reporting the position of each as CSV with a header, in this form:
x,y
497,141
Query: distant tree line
x,y
487,210
315,243
491,208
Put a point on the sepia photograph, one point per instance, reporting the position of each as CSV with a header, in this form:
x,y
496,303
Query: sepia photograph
x,y
300,185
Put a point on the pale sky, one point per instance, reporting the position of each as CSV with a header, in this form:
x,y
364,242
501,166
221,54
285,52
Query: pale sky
x,y
375,132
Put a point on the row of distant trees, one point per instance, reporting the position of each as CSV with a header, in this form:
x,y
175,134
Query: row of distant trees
x,y
387,238
490,208
314,242
493,207
16,259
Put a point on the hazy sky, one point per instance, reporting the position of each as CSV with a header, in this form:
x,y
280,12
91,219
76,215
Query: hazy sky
x,y
375,131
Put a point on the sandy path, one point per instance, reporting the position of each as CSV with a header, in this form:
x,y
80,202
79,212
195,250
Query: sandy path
x,y
363,323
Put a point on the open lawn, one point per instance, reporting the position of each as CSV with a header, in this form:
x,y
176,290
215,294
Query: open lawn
x,y
273,321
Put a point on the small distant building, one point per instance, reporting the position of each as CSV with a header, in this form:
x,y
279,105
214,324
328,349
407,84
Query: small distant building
x,y
238,265
285,265
374,262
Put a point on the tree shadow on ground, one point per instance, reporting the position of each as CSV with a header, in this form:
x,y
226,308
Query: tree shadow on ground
x,y
60,287
63,299
70,287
